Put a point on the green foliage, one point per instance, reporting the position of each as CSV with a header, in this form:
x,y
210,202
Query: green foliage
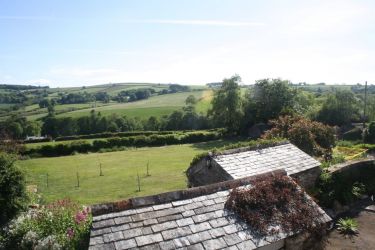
x,y
191,100
16,130
347,226
354,134
337,158
60,225
370,133
271,98
12,188
346,187
338,109
130,141
227,105
314,138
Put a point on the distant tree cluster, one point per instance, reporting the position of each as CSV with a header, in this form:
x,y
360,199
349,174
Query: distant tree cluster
x,y
186,119
13,98
174,88
134,95
21,87
18,127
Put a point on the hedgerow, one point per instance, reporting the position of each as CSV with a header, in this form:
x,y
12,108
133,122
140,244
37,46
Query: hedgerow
x,y
118,142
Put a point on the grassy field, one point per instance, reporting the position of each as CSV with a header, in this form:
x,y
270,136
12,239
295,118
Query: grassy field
x,y
156,105
166,167
159,105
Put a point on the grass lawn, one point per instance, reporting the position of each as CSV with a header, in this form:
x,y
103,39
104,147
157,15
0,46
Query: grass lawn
x,y
166,167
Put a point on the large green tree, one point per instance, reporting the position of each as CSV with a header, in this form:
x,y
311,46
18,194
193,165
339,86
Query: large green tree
x,y
227,105
270,97
339,108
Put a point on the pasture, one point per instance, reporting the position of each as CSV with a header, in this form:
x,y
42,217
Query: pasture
x,y
158,105
119,181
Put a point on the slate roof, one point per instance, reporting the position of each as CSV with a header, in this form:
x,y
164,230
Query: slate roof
x,y
285,156
186,219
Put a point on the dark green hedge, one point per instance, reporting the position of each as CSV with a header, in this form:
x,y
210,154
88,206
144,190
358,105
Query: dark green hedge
x,y
130,141
123,134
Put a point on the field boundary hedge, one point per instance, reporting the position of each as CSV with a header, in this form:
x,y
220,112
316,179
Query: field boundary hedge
x,y
121,134
63,149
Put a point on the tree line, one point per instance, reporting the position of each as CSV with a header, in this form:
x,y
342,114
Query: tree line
x,y
270,98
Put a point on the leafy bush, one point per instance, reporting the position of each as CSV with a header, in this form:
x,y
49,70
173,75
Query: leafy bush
x,y
12,188
60,225
337,158
353,135
346,187
275,204
347,226
312,137
370,133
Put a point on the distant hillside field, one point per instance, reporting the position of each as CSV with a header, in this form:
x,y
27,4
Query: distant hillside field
x,y
156,105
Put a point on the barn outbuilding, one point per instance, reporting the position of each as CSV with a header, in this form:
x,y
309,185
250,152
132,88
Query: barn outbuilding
x,y
249,161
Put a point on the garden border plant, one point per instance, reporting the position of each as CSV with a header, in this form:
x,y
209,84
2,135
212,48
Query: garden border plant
x,y
59,225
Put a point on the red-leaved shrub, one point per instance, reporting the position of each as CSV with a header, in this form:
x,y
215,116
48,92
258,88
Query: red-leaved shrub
x,y
312,137
275,204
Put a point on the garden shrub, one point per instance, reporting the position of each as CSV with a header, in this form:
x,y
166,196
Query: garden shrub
x,y
59,225
346,187
370,133
275,204
312,137
354,134
12,188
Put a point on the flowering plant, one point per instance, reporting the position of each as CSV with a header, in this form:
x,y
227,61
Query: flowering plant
x,y
59,225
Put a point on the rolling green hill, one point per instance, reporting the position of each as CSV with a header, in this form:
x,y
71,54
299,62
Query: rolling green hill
x,y
156,105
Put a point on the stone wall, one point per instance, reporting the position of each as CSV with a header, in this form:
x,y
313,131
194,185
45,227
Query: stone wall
x,y
206,172
308,178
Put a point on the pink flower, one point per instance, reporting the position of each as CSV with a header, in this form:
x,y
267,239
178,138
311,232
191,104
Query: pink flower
x,y
70,232
80,217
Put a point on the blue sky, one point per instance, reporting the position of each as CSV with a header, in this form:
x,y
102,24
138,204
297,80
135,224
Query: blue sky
x,y
76,43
